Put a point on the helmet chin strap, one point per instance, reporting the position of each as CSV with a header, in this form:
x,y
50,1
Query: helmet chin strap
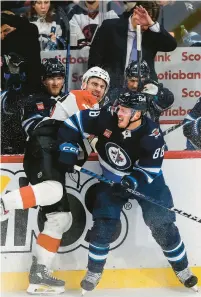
x,y
130,122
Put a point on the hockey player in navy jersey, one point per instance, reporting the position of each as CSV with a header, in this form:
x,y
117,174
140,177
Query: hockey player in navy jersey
x,y
130,150
159,99
192,127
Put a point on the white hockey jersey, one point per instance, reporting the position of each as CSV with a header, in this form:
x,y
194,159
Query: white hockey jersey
x,y
84,24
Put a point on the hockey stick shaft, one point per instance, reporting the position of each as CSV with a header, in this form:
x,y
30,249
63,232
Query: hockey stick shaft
x,y
139,54
139,195
171,129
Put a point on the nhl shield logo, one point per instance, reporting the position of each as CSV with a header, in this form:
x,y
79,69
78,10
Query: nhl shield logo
x,y
117,156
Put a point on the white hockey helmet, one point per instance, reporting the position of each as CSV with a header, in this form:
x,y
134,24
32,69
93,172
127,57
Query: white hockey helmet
x,y
96,72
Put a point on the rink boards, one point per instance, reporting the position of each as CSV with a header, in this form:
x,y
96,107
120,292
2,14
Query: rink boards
x,y
135,259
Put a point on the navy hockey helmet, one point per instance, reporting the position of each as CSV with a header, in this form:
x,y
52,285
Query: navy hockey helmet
x,y
132,70
134,100
52,67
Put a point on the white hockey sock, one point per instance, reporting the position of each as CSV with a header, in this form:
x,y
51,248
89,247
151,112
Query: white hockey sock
x,y
44,256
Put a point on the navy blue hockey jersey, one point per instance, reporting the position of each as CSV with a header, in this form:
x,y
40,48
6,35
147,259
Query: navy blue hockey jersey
x,y
120,151
36,108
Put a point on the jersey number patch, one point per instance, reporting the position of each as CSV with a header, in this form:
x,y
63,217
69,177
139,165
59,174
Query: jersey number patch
x,y
159,152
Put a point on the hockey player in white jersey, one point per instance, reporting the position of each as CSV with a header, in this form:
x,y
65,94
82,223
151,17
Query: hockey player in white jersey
x,y
45,174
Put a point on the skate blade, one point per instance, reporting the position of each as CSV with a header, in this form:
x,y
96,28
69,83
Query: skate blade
x,y
44,290
84,292
195,289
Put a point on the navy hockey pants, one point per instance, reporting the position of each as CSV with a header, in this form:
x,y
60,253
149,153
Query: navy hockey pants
x,y
108,207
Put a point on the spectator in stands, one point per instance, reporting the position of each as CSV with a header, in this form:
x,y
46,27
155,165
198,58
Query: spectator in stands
x,y
65,4
175,13
85,18
20,38
51,31
114,45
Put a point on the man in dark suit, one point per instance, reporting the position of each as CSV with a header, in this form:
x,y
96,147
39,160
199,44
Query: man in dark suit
x,y
114,45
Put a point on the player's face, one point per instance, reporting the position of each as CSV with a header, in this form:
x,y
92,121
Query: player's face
x,y
42,7
124,116
54,85
132,83
96,86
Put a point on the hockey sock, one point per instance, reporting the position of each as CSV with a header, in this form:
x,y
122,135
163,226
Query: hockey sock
x,y
97,256
49,239
45,193
177,256
46,249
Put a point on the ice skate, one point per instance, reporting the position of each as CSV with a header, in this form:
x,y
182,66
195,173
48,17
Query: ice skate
x,y
90,281
42,282
3,213
187,278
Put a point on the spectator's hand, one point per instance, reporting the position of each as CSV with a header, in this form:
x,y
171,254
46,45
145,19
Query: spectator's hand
x,y
142,17
53,37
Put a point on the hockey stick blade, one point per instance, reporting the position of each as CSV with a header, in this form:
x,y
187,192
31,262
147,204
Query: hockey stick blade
x,y
140,195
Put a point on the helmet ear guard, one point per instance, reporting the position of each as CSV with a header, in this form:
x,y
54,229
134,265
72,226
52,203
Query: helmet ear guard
x,y
84,85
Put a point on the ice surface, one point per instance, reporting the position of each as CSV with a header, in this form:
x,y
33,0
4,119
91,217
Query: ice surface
x,y
162,292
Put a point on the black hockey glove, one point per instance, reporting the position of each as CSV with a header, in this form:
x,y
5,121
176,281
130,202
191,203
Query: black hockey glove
x,y
128,181
68,156
192,131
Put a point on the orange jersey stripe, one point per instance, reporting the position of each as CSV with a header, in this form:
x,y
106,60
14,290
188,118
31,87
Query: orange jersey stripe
x,y
84,99
28,197
49,243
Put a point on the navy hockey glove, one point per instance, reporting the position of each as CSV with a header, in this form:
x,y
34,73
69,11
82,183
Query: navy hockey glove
x,y
128,181
68,156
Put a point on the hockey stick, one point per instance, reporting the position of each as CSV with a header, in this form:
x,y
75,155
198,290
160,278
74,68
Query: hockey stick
x,y
64,18
169,130
139,195
180,124
139,55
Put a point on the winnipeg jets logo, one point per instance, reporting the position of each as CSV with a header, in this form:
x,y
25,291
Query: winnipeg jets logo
x,y
117,156
156,133
126,133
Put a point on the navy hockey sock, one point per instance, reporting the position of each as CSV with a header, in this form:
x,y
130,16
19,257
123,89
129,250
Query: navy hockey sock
x,y
177,256
97,256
